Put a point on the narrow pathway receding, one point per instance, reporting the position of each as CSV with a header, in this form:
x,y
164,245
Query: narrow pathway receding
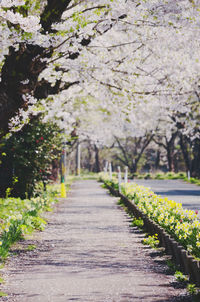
x,y
89,252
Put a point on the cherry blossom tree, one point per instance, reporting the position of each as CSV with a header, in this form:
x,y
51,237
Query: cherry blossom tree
x,y
105,68
34,36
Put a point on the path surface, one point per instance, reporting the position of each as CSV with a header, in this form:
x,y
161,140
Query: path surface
x,y
88,252
180,191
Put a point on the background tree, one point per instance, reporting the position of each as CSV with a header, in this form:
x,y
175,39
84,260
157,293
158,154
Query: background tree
x,y
103,69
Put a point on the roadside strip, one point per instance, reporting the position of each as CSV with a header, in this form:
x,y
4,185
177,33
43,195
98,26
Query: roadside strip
x,y
187,263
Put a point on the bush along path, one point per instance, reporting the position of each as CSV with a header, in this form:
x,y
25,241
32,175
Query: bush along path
x,y
178,229
169,175
89,252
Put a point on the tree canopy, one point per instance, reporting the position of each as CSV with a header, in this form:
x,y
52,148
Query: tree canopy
x,y
124,68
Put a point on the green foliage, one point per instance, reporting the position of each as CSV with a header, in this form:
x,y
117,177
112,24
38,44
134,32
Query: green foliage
x,y
147,176
151,241
194,290
169,175
180,223
194,181
171,265
180,276
20,217
38,223
138,222
29,157
125,208
180,175
159,176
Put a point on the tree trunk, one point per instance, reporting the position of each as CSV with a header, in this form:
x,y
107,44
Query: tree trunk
x,y
157,161
184,149
97,162
195,166
20,71
170,151
170,158
78,159
88,163
19,77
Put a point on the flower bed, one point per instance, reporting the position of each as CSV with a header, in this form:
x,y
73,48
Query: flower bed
x,y
183,225
154,210
19,217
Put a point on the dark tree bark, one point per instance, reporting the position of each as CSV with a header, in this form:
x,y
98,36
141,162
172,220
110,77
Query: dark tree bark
x,y
191,155
196,159
89,158
97,162
19,66
26,64
185,152
157,161
169,146
22,67
52,13
131,155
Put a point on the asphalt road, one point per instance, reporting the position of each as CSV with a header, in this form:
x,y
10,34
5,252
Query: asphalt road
x,y
177,190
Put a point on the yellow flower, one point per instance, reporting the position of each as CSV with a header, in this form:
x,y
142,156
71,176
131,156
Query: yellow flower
x,y
196,223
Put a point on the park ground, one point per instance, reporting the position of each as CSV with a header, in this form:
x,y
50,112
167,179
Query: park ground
x,y
89,252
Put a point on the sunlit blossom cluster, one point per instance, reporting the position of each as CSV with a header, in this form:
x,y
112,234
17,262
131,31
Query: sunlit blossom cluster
x,y
141,71
141,65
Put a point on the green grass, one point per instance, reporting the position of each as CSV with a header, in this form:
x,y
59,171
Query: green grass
x,y
83,176
169,175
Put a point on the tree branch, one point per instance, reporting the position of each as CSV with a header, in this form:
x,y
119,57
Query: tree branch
x,y
52,13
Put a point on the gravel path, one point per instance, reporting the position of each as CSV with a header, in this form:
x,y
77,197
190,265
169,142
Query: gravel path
x,y
180,191
88,252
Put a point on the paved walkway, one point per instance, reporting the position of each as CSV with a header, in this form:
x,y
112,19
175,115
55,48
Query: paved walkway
x,y
180,191
88,252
